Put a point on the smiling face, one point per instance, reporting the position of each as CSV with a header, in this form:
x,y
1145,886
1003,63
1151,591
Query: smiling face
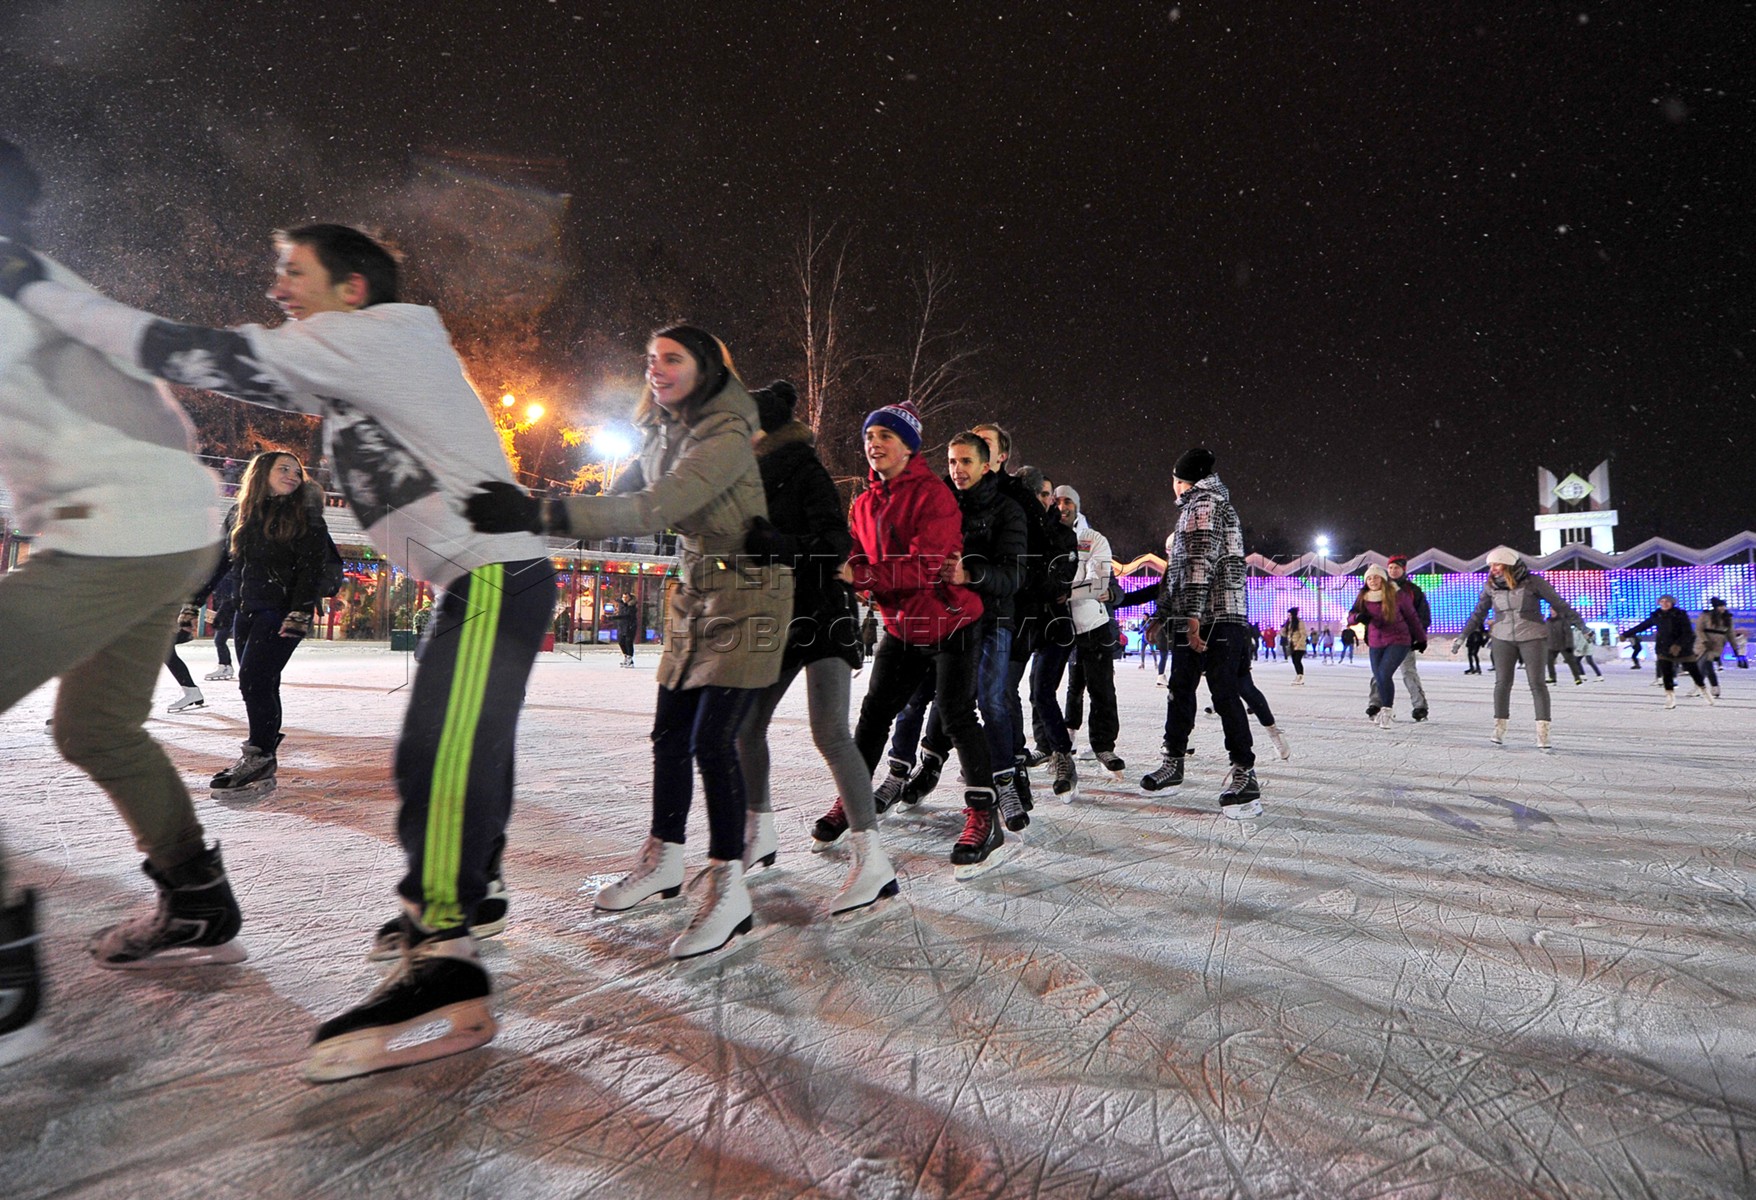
x,y
671,372
303,287
1069,510
965,466
886,453
286,476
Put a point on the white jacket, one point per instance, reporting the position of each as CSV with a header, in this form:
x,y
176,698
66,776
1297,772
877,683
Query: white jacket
x,y
1092,580
407,435
97,457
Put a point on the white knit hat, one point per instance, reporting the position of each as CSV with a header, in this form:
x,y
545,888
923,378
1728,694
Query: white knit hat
x,y
1506,556
1377,570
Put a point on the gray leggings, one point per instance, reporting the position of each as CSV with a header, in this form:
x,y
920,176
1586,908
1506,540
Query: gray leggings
x,y
1536,665
827,688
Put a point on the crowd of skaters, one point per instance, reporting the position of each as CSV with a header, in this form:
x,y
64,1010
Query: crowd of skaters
x,y
990,581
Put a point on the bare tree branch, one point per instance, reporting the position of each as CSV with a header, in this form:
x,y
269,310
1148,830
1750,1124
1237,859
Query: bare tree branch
x,y
820,265
939,361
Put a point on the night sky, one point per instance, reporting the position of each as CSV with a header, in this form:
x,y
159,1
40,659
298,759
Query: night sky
x,y
1385,260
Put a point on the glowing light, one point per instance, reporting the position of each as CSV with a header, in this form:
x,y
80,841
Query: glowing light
x,y
610,444
508,400
1323,543
534,412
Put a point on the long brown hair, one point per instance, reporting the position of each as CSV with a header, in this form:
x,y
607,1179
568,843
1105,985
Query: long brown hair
x,y
276,518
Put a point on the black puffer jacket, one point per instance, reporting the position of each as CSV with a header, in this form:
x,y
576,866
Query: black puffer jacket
x,y
278,576
1673,633
807,530
994,543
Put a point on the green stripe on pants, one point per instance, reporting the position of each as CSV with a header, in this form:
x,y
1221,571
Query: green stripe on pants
x,y
451,767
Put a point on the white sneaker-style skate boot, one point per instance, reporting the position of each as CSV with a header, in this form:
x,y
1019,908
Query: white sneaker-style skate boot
x,y
657,872
1280,741
220,673
725,910
760,843
870,879
1543,734
191,698
1670,698
1499,734
1704,694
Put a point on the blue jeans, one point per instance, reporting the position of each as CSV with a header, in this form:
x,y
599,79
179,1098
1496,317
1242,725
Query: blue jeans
x,y
1385,661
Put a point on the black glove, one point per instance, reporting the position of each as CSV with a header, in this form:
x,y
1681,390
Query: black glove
x,y
1418,648
186,619
765,541
296,625
18,267
504,508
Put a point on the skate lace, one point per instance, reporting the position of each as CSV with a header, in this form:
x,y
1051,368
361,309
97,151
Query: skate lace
x,y
1063,767
976,829
1166,768
709,902
837,815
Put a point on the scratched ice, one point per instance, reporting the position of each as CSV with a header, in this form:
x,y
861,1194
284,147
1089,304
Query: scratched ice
x,y
1436,967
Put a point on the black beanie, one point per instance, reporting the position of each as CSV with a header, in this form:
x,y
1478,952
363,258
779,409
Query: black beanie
x,y
774,404
1194,466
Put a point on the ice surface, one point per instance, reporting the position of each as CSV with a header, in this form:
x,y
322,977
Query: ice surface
x,y
1436,967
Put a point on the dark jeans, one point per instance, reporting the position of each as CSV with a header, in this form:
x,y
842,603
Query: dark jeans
x,y
262,655
699,727
898,669
1253,698
176,666
223,619
905,737
991,675
1667,671
1298,657
454,760
1228,648
1045,686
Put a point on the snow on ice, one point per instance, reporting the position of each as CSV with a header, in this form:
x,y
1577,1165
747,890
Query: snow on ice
x,y
1435,967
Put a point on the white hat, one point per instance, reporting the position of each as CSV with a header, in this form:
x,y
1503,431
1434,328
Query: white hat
x,y
1377,570
1069,493
1506,556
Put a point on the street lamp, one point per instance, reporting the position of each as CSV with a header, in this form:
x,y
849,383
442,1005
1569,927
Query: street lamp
x,y
613,446
1323,569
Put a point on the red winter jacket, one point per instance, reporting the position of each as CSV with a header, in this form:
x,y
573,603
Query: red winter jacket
x,y
904,530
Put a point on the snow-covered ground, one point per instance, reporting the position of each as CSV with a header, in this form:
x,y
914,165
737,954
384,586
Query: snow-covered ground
x,y
1435,967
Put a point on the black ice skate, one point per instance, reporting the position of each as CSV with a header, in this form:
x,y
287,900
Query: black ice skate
x,y
488,920
196,922
830,826
438,987
1240,797
1109,761
980,847
1168,774
1012,812
889,789
251,775
21,986
924,780
1021,776
1066,775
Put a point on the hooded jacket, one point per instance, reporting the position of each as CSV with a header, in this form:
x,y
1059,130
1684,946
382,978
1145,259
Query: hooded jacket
x,y
1205,569
1517,607
725,620
807,530
904,529
1091,581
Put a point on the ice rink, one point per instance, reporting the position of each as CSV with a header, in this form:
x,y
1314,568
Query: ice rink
x,y
1434,967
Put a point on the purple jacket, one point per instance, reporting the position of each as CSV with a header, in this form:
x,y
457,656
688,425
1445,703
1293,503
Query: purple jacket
x,y
1401,628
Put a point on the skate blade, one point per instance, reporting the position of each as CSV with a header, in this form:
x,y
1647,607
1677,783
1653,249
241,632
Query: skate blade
x,y
966,871
466,1025
224,955
886,893
818,847
728,953
177,708
250,791
21,1043
649,901
1241,812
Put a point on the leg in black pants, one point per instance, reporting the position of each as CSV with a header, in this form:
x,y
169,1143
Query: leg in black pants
x,y
897,670
1097,652
262,655
698,727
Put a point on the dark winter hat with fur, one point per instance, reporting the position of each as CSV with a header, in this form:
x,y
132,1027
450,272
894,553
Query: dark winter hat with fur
x,y
20,188
774,404
1194,466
